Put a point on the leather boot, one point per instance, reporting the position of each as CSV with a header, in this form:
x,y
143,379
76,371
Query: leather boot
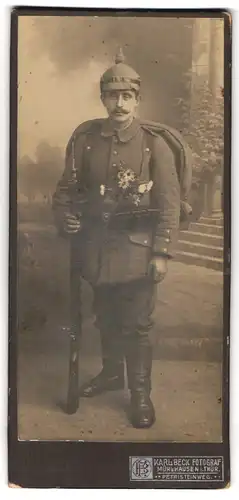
x,y
139,366
111,377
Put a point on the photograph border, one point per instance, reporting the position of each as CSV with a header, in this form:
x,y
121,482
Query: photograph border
x,y
72,464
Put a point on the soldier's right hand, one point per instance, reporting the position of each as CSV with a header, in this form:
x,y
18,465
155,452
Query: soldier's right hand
x,y
72,223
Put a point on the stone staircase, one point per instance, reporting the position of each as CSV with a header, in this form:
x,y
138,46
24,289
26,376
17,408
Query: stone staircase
x,y
202,243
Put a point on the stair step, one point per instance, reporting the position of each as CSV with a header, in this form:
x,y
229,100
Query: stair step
x,y
199,260
206,228
205,239
216,213
214,221
200,249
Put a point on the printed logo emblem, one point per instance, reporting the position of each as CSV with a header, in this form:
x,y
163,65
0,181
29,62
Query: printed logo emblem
x,y
141,468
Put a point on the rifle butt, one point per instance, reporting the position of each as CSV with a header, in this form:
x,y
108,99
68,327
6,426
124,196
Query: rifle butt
x,y
72,404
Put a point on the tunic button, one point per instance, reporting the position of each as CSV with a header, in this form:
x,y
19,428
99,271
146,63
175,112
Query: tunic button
x,y
114,165
115,152
147,150
145,241
105,216
88,147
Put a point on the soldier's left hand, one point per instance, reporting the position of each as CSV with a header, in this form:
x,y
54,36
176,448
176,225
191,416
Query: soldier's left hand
x,y
160,268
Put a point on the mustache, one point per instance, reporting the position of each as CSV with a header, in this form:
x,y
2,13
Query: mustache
x,y
122,111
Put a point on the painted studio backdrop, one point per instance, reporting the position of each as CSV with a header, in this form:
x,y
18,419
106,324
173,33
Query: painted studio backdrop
x,y
60,62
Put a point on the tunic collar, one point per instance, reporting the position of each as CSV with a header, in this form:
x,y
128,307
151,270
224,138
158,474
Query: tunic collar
x,y
123,135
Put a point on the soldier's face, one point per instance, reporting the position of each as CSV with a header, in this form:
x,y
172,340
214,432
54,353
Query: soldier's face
x,y
120,105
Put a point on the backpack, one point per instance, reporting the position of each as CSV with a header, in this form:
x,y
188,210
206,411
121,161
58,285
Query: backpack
x,y
183,159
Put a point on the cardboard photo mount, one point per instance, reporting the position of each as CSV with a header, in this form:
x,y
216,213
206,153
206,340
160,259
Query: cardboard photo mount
x,y
79,463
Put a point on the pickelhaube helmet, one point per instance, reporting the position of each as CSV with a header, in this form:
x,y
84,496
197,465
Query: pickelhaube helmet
x,y
120,76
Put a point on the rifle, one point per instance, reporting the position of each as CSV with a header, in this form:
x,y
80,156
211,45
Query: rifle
x,y
75,331
75,328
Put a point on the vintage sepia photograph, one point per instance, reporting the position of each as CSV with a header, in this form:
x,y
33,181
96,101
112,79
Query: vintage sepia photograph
x,y
120,227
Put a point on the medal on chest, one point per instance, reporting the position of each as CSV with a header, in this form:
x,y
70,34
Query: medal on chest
x,y
127,186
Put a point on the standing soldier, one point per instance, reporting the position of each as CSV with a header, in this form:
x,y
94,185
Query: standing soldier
x,y
123,231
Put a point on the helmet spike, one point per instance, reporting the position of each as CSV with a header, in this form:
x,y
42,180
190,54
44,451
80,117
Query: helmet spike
x,y
119,58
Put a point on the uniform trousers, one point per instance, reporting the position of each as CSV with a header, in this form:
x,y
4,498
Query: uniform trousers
x,y
124,318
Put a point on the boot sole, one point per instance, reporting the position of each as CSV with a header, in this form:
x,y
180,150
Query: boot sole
x,y
143,425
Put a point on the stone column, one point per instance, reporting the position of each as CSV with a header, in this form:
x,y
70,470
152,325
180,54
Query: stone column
x,y
207,67
216,82
216,57
200,75
200,57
